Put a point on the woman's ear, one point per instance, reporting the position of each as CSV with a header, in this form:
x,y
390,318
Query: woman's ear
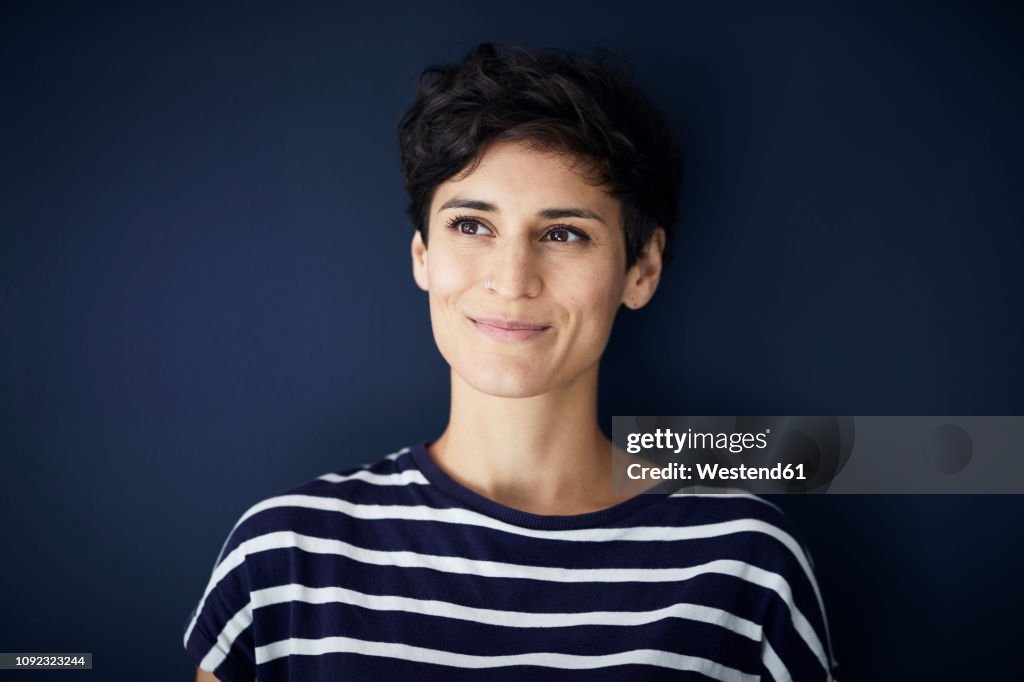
x,y
643,277
419,261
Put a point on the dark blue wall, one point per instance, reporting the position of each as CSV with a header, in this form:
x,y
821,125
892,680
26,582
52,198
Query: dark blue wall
x,y
205,288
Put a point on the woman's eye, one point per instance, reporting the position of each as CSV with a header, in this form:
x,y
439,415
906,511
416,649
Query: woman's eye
x,y
562,234
472,227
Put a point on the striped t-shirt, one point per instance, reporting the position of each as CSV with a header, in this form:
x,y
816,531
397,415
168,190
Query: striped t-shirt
x,y
394,571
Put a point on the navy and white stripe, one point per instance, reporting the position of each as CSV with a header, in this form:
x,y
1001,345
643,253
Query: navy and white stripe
x,y
395,571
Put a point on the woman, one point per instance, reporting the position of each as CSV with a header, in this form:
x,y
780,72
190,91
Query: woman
x,y
543,188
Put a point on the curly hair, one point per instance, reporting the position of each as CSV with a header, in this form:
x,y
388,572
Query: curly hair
x,y
551,100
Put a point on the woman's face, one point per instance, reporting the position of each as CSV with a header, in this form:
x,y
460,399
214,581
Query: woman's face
x,y
526,271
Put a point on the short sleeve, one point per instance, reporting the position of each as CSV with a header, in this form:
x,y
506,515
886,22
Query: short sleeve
x,y
218,634
795,638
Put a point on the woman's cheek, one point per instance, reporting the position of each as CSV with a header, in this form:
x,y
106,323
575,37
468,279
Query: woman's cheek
x,y
449,275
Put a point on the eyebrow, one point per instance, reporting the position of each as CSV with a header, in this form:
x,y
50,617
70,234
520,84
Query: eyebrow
x,y
549,213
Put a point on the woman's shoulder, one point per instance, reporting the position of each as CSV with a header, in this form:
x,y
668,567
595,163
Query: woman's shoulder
x,y
397,468
746,522
328,498
719,507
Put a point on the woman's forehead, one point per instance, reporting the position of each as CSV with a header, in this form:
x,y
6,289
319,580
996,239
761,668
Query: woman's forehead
x,y
514,176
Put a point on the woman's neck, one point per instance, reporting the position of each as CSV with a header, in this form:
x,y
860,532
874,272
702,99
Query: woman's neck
x,y
544,454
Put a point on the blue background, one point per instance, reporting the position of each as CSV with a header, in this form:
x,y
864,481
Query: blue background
x,y
206,295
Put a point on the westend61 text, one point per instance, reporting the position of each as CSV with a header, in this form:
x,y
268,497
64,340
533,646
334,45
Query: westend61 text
x,y
716,472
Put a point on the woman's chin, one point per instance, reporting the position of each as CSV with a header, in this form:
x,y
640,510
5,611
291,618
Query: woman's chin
x,y
507,383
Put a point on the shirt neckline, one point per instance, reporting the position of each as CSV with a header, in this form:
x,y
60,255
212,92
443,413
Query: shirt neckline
x,y
516,517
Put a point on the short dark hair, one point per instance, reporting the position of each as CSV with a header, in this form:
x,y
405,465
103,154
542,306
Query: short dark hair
x,y
553,100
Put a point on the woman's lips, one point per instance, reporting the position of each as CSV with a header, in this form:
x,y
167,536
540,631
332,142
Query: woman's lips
x,y
508,330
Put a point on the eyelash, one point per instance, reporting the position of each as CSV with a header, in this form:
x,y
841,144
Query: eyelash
x,y
455,221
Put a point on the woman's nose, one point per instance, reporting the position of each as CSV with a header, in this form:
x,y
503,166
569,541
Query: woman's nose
x,y
515,272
